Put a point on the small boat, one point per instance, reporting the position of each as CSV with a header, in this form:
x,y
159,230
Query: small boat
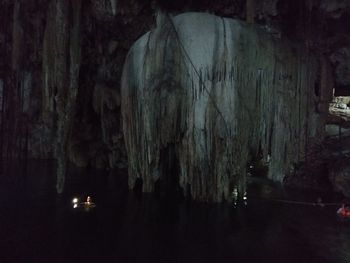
x,y
86,205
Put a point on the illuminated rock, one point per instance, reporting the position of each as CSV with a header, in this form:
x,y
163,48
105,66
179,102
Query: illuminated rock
x,y
199,101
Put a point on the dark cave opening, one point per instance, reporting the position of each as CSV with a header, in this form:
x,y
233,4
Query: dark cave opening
x,y
138,187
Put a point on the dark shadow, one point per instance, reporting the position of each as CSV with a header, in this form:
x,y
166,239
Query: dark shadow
x,y
169,188
257,167
138,187
157,189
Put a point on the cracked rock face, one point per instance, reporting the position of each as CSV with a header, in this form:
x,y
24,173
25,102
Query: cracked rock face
x,y
202,94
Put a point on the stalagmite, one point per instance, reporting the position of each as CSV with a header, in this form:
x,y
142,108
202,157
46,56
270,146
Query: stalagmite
x,y
202,94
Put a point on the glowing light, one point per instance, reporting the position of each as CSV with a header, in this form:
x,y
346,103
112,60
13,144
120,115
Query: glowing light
x,y
75,205
245,196
75,200
235,192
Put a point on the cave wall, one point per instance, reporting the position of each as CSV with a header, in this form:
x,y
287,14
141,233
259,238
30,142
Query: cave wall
x,y
61,67
35,74
218,91
60,53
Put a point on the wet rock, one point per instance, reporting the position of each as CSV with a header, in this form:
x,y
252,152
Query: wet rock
x,y
35,61
214,90
61,65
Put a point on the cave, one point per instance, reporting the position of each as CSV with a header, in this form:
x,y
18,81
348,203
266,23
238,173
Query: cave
x,y
174,131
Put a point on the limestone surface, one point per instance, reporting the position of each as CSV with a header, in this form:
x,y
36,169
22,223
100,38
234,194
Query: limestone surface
x,y
201,95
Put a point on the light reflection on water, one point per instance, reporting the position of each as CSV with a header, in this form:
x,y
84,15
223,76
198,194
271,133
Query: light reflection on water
x,y
38,226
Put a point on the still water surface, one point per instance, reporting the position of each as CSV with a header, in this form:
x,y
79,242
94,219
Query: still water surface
x,y
38,226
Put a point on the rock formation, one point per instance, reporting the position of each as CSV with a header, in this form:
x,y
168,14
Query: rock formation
x,y
61,62
52,109
201,95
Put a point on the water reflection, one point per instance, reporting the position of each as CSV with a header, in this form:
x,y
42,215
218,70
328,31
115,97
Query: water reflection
x,y
124,228
237,200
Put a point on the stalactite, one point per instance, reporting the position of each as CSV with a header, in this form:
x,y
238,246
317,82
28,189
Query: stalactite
x,y
214,120
61,64
114,6
66,115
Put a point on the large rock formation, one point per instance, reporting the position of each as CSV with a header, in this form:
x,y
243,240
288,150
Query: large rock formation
x,y
40,40
61,66
201,95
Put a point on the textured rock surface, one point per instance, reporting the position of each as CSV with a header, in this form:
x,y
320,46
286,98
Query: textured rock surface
x,y
32,38
61,66
208,96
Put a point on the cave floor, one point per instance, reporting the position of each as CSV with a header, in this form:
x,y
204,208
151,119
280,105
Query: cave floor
x,y
38,226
